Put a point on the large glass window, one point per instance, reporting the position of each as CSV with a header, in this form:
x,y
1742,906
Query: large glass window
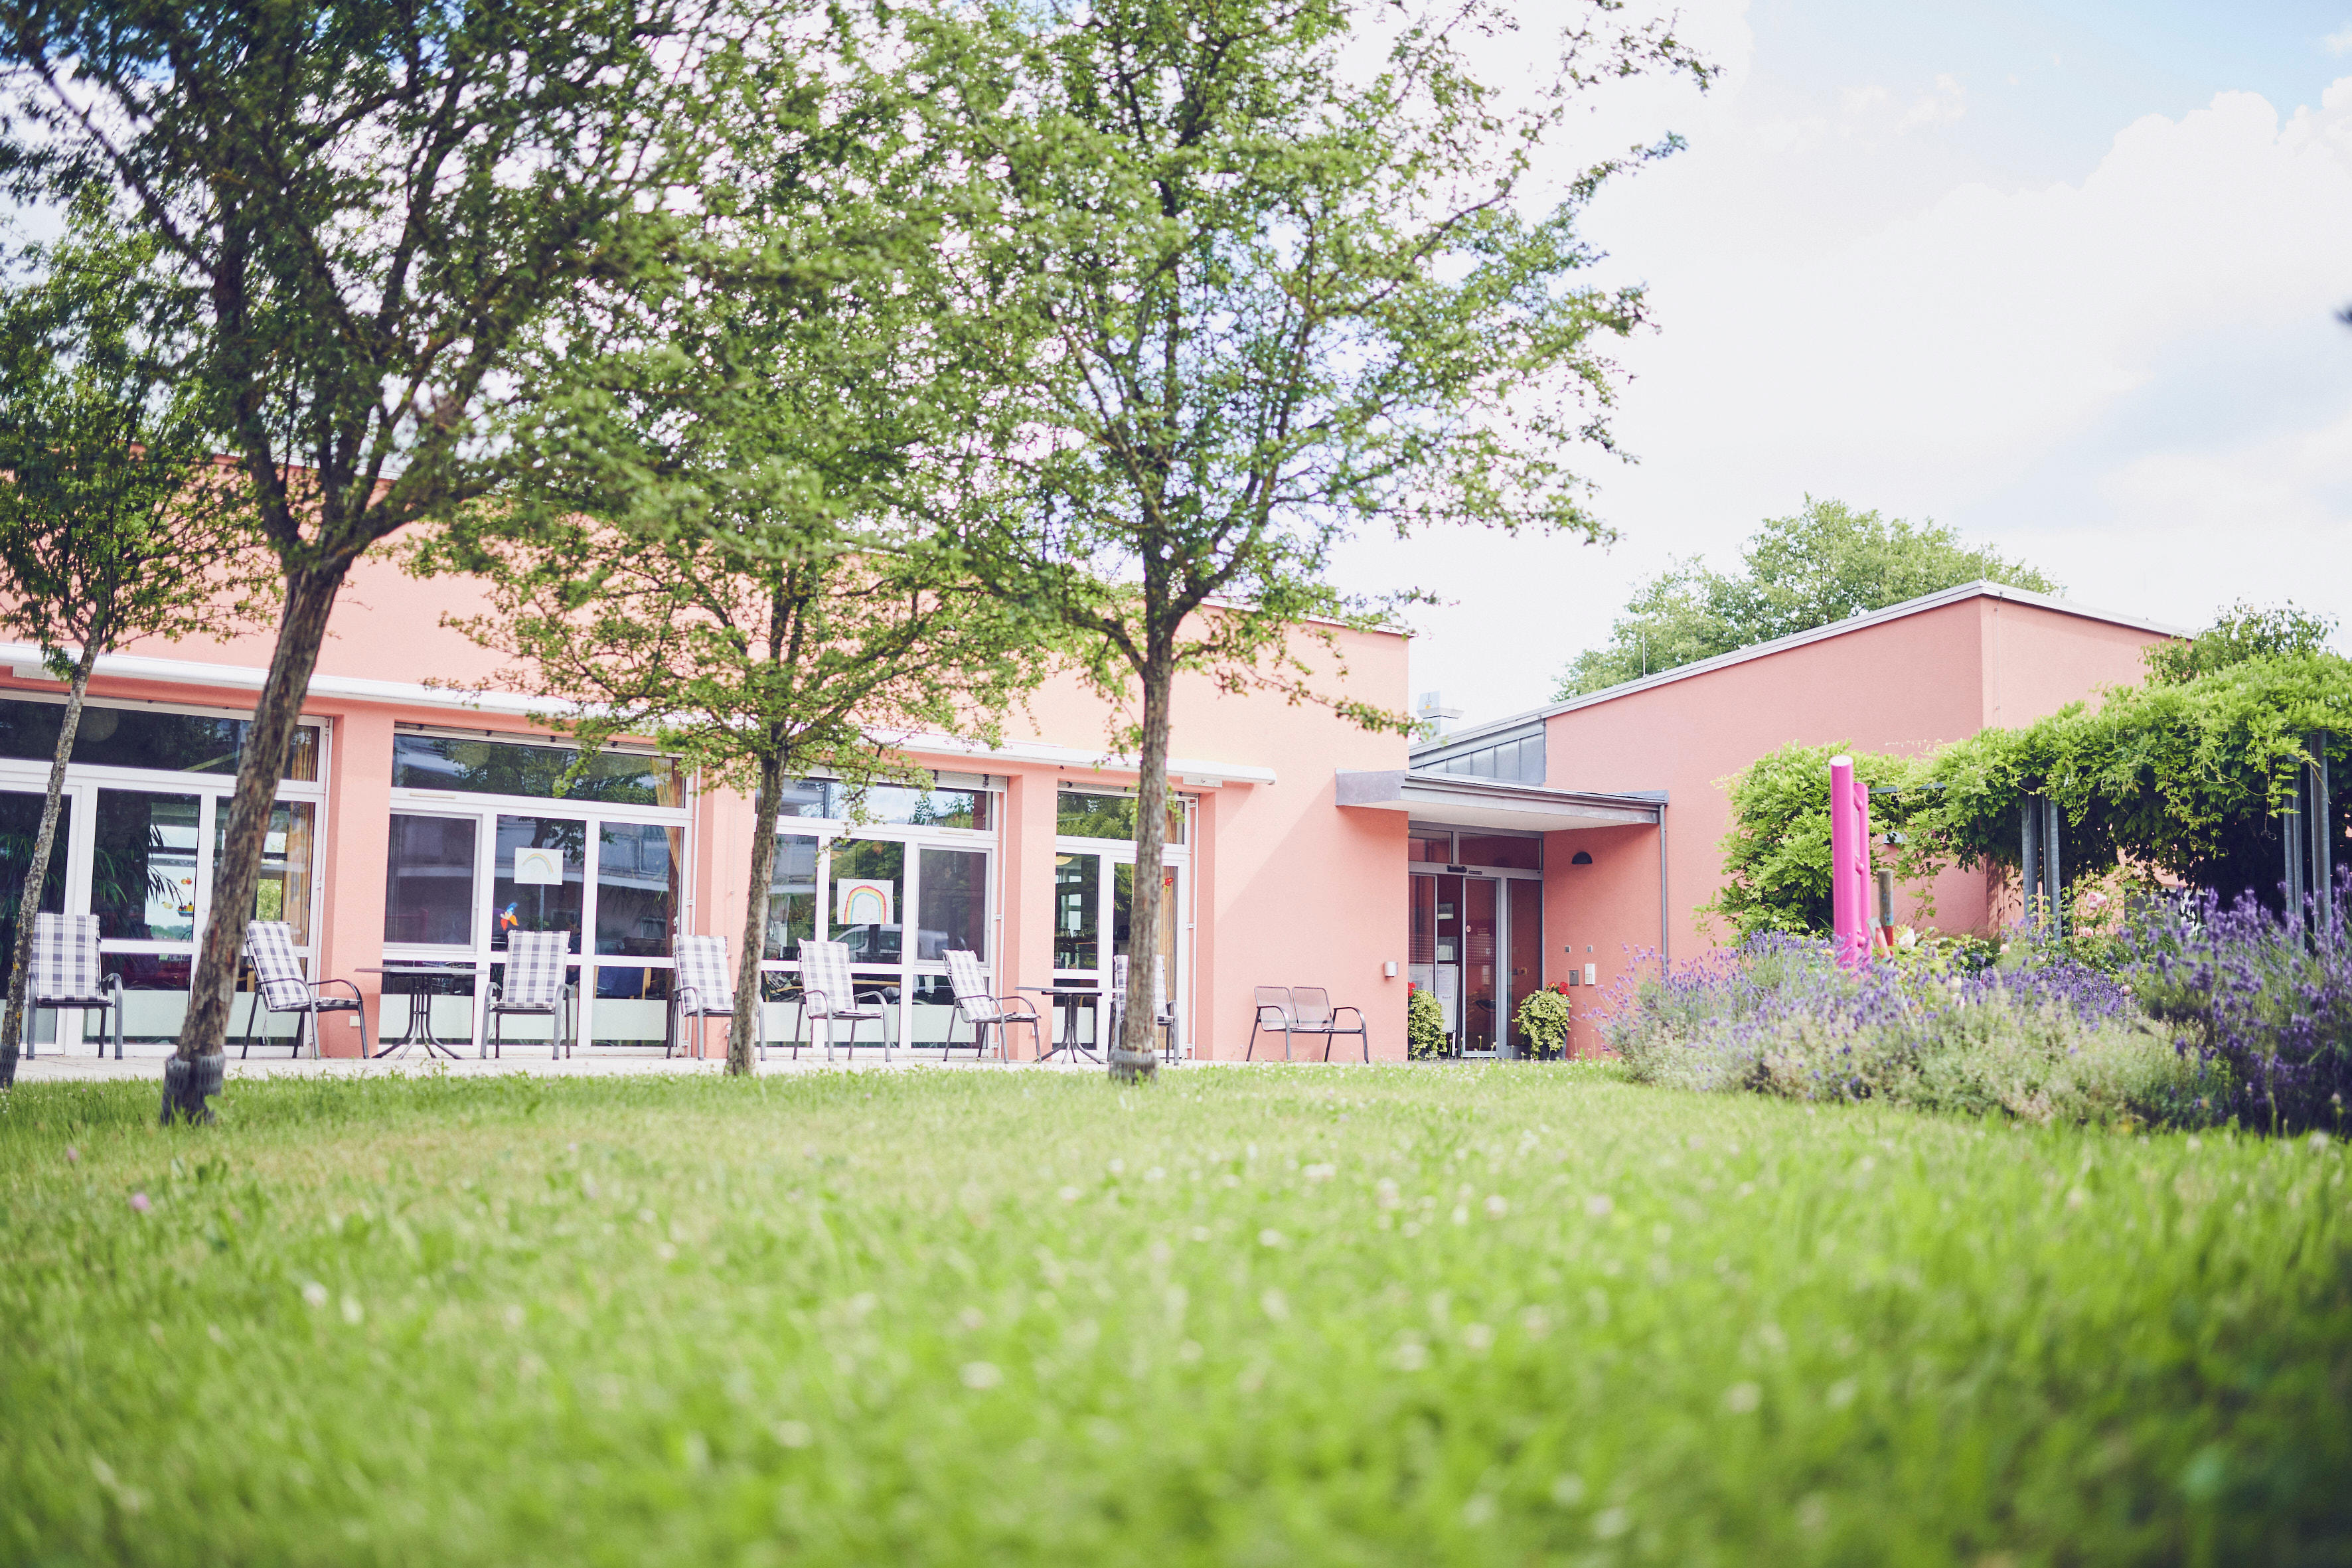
x,y
144,738
868,899
1430,848
20,824
283,893
636,887
1077,888
538,876
144,873
955,904
499,767
1082,814
430,883
792,896
1494,849
900,806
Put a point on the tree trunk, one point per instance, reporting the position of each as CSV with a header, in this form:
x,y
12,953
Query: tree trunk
x,y
309,599
1134,1055
765,809
37,867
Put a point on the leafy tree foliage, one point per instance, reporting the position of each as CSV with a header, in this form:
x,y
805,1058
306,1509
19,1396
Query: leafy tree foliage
x,y
2240,632
1776,858
717,532
375,201
1818,565
1273,271
114,523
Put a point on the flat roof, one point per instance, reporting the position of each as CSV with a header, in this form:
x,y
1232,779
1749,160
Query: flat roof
x,y
1926,602
1460,802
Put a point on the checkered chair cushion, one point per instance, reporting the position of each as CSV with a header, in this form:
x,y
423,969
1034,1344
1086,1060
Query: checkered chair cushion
x,y
824,977
702,969
971,991
535,965
64,960
270,945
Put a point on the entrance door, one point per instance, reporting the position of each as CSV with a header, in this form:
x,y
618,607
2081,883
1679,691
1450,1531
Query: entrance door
x,y
1477,946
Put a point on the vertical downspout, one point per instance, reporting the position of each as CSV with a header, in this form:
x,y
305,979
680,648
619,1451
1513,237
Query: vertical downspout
x,y
1666,950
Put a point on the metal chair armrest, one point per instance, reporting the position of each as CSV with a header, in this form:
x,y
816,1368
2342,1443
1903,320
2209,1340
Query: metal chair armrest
x,y
353,987
1359,1012
1028,1008
813,999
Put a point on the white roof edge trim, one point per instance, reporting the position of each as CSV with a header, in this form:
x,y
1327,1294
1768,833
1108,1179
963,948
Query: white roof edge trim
x,y
1935,601
1182,770
26,661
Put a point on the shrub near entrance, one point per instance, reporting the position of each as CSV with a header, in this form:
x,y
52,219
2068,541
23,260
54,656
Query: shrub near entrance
x,y
1371,1317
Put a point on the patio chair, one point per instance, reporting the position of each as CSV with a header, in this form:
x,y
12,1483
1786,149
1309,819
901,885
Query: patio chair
x,y
984,1011
831,997
1163,1015
280,986
703,988
66,975
536,982
1273,1013
1311,1014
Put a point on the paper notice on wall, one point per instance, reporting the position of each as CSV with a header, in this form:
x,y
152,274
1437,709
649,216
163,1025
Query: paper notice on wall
x,y
863,902
539,868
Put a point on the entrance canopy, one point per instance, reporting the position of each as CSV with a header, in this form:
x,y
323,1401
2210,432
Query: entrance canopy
x,y
1493,802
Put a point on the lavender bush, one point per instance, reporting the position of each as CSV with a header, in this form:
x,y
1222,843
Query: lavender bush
x,y
2265,998
2042,1036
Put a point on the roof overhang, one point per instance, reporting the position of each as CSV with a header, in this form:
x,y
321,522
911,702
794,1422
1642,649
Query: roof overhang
x,y
1487,802
24,662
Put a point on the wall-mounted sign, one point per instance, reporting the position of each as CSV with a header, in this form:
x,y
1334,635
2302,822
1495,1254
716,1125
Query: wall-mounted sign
x,y
536,868
863,902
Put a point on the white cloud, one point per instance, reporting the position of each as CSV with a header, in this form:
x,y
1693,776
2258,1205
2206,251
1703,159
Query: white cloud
x,y
2338,42
2132,378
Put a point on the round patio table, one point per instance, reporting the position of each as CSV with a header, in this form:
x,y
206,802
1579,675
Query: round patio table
x,y
433,973
1068,997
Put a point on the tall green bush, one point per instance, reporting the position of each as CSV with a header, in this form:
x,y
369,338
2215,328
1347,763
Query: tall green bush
x,y
1776,858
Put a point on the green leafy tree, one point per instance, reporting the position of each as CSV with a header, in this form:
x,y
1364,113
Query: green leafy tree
x,y
717,536
1273,271
114,523
1823,564
376,202
2238,634
2185,778
1775,857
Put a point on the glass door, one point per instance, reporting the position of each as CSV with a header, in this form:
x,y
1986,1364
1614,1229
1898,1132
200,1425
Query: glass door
x,y
1476,943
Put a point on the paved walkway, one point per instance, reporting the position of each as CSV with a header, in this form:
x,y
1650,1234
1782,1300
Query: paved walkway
x,y
48,1068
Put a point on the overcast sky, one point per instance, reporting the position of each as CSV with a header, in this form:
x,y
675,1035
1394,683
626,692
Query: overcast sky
x,y
2063,276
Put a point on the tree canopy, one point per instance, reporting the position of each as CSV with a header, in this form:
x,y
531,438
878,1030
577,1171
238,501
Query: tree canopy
x,y
2242,632
374,203
1272,271
1821,564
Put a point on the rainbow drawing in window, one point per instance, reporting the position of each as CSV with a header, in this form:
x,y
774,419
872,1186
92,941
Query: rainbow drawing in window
x,y
862,901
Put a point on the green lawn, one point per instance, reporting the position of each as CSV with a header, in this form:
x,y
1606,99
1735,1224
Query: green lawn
x,y
1289,1316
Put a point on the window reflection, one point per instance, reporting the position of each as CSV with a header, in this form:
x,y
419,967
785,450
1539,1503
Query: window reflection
x,y
20,824
868,899
1077,888
1080,814
429,881
636,889
143,871
792,896
955,904
283,892
541,872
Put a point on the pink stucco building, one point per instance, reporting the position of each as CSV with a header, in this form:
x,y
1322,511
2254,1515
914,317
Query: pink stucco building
x,y
420,823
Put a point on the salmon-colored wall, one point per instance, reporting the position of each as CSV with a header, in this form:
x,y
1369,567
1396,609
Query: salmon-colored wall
x,y
1907,685
1604,914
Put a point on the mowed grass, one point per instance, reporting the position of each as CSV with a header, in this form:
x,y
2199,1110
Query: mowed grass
x,y
1016,1318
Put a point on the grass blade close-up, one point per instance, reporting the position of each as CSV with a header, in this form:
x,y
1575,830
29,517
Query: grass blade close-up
x,y
1354,1316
